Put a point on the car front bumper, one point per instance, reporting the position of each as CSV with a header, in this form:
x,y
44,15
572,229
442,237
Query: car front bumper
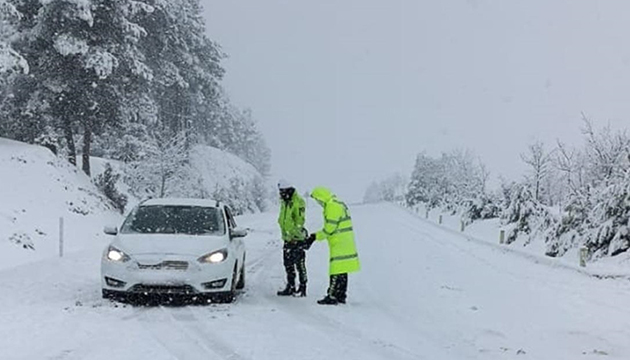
x,y
133,277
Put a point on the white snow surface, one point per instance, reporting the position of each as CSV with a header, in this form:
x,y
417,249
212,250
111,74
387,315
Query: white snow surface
x,y
487,232
36,189
425,292
219,169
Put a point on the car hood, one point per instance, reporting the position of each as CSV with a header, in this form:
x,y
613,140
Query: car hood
x,y
176,244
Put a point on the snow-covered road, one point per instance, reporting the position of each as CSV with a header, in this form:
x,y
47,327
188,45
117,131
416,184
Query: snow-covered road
x,y
423,293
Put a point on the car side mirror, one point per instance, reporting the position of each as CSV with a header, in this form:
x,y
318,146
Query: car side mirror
x,y
238,233
110,230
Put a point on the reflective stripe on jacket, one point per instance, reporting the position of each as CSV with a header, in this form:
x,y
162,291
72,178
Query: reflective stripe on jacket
x,y
339,232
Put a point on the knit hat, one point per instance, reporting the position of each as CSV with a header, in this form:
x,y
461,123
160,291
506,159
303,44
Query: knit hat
x,y
283,184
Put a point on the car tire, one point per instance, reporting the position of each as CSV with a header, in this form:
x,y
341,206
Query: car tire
x,y
113,295
107,294
227,297
240,285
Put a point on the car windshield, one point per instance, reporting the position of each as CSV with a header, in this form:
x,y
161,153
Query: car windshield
x,y
171,219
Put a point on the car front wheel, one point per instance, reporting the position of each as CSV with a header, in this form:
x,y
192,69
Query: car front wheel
x,y
240,285
226,297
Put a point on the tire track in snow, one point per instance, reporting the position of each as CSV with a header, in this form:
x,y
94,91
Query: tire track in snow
x,y
184,334
194,326
178,344
327,325
179,332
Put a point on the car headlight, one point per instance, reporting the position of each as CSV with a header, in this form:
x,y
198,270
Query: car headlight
x,y
214,257
114,254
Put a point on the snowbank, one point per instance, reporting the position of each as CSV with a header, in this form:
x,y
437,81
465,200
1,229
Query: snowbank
x,y
488,232
36,190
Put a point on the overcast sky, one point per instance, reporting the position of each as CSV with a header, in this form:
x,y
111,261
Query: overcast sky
x,y
349,91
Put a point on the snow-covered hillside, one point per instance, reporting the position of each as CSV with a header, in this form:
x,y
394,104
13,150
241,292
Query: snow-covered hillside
x,y
224,176
36,190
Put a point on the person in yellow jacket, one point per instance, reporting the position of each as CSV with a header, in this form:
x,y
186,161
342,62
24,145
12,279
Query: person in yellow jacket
x,y
342,250
291,220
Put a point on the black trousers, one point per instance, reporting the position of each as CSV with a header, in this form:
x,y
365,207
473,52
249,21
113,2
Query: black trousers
x,y
294,258
338,286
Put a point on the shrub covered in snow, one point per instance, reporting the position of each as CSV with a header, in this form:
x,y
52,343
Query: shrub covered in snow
x,y
483,207
106,183
524,216
597,218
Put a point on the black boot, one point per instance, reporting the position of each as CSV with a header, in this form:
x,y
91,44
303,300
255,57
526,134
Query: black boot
x,y
328,301
301,291
288,291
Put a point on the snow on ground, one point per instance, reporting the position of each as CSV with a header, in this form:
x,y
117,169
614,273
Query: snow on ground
x,y
424,292
36,189
487,231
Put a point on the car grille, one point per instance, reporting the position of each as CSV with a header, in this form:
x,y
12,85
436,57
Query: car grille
x,y
163,289
166,265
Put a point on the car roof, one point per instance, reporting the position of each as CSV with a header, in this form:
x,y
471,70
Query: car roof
x,y
182,202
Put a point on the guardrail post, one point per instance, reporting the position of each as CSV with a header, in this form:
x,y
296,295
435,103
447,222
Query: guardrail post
x,y
583,256
61,236
502,237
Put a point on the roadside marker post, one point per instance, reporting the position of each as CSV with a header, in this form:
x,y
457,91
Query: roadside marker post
x,y
583,256
61,236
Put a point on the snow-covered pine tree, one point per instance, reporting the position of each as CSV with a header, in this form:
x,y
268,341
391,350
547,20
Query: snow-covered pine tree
x,y
11,61
11,64
428,184
83,60
185,65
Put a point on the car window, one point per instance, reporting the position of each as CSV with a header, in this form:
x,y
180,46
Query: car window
x,y
160,219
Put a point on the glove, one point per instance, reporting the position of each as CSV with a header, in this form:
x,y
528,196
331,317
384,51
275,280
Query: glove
x,y
309,241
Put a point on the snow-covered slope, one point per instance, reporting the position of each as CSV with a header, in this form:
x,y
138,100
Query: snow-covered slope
x,y
226,177
423,293
36,189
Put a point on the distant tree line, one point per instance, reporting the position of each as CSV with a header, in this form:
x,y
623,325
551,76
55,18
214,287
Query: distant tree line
x,y
129,80
569,197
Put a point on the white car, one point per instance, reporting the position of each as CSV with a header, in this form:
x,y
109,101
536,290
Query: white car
x,y
171,248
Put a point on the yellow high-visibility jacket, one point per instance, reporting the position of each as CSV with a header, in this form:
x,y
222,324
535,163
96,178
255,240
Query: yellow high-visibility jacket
x,y
291,218
338,231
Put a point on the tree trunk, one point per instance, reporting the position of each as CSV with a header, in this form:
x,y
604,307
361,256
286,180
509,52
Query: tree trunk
x,y
163,186
87,143
162,177
67,132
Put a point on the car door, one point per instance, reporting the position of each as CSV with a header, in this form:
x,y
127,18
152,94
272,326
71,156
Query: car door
x,y
236,243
